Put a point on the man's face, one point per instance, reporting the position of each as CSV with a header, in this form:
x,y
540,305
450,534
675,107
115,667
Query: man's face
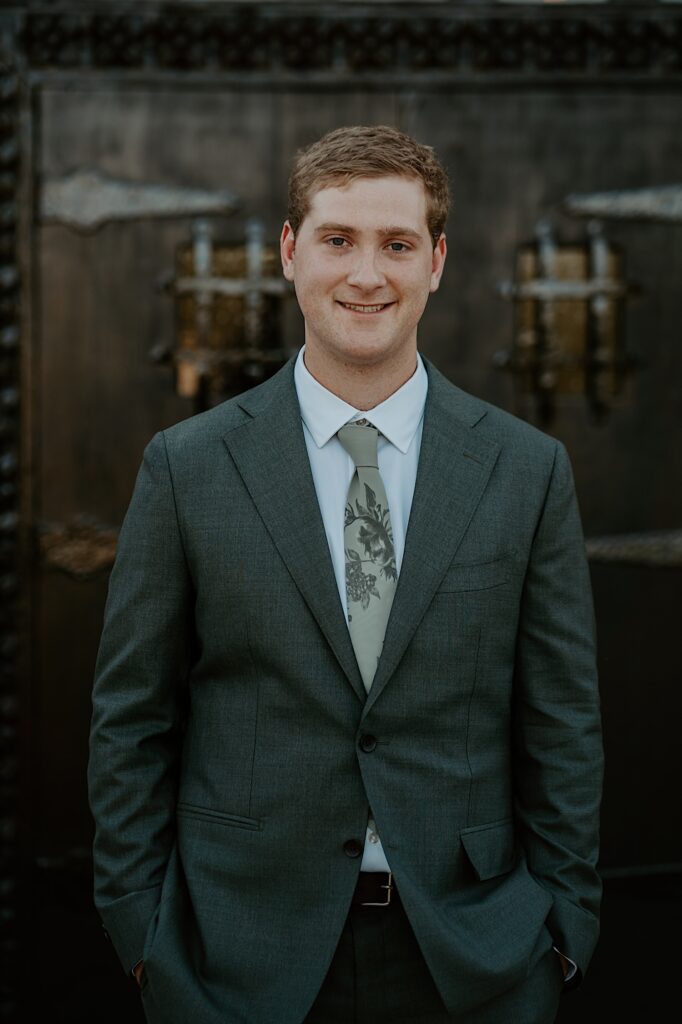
x,y
363,265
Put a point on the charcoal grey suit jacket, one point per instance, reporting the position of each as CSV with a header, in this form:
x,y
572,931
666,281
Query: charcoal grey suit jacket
x,y
228,781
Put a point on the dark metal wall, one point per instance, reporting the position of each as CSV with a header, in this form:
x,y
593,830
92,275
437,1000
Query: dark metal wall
x,y
524,106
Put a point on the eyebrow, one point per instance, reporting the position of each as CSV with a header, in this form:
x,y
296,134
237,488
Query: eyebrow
x,y
346,229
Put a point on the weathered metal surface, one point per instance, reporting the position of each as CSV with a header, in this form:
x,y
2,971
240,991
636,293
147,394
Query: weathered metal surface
x,y
228,302
82,549
567,339
86,199
657,548
663,203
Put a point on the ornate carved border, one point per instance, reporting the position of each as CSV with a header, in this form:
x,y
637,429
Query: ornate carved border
x,y
9,534
340,41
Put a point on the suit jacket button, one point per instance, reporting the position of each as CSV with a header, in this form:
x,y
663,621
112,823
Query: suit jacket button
x,y
368,743
352,848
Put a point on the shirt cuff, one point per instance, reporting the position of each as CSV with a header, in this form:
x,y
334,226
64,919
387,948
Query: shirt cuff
x,y
573,969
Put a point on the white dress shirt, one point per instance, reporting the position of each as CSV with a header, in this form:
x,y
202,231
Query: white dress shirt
x,y
399,421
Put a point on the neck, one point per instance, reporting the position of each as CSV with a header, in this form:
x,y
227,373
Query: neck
x,y
363,387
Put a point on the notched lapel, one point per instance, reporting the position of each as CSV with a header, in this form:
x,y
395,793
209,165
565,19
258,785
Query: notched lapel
x,y
455,464
269,452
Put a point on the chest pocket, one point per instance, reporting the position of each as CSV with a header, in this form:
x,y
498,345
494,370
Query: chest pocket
x,y
475,576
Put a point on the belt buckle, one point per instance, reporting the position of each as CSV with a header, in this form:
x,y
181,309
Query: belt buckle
x,y
389,890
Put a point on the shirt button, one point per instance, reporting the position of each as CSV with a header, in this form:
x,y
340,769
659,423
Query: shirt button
x,y
368,743
352,848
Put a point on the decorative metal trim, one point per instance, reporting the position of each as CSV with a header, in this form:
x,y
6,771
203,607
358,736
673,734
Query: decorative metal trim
x,y
83,548
568,340
9,536
660,203
86,199
400,41
656,548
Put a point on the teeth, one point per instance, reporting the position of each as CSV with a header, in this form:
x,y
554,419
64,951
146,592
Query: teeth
x,y
365,309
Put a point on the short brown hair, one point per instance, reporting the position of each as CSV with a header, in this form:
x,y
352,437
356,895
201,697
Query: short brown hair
x,y
367,151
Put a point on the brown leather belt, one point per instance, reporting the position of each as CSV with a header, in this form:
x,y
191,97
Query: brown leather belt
x,y
374,889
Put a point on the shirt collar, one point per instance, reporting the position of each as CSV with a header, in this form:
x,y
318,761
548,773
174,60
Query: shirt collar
x,y
397,418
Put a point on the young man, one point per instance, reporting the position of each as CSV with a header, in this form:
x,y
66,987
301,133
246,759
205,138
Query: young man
x,y
346,756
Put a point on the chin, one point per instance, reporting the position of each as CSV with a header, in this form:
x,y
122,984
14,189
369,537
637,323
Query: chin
x,y
366,353
359,346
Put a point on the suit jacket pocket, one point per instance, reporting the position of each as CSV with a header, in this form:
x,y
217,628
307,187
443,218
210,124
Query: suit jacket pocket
x,y
490,848
219,817
475,576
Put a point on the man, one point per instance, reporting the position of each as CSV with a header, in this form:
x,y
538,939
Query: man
x,y
346,755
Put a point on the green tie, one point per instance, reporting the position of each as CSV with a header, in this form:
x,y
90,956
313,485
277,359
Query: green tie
x,y
371,575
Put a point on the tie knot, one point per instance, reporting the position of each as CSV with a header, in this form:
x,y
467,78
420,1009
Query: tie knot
x,y
360,441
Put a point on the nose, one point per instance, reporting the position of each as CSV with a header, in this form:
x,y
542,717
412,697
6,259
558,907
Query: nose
x,y
365,272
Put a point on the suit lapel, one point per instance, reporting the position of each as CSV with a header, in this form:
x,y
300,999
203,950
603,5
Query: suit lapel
x,y
270,453
455,464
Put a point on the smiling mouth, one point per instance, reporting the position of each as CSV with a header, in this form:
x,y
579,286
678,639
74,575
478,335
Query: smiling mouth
x,y
356,308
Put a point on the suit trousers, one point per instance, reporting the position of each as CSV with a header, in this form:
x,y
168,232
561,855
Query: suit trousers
x,y
379,976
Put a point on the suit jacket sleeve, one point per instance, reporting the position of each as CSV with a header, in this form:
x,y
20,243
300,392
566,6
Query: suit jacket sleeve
x,y
138,709
558,761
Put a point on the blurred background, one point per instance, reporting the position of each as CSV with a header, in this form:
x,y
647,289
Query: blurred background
x,y
144,154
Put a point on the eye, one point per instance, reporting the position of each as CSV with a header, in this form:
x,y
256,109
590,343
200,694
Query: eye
x,y
401,247
336,242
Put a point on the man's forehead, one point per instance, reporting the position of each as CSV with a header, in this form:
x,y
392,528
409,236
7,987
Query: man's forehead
x,y
383,202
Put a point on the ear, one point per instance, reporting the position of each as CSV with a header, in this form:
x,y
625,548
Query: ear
x,y
286,250
440,251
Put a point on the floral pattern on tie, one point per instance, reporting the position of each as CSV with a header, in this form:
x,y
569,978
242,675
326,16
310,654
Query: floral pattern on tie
x,y
376,537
